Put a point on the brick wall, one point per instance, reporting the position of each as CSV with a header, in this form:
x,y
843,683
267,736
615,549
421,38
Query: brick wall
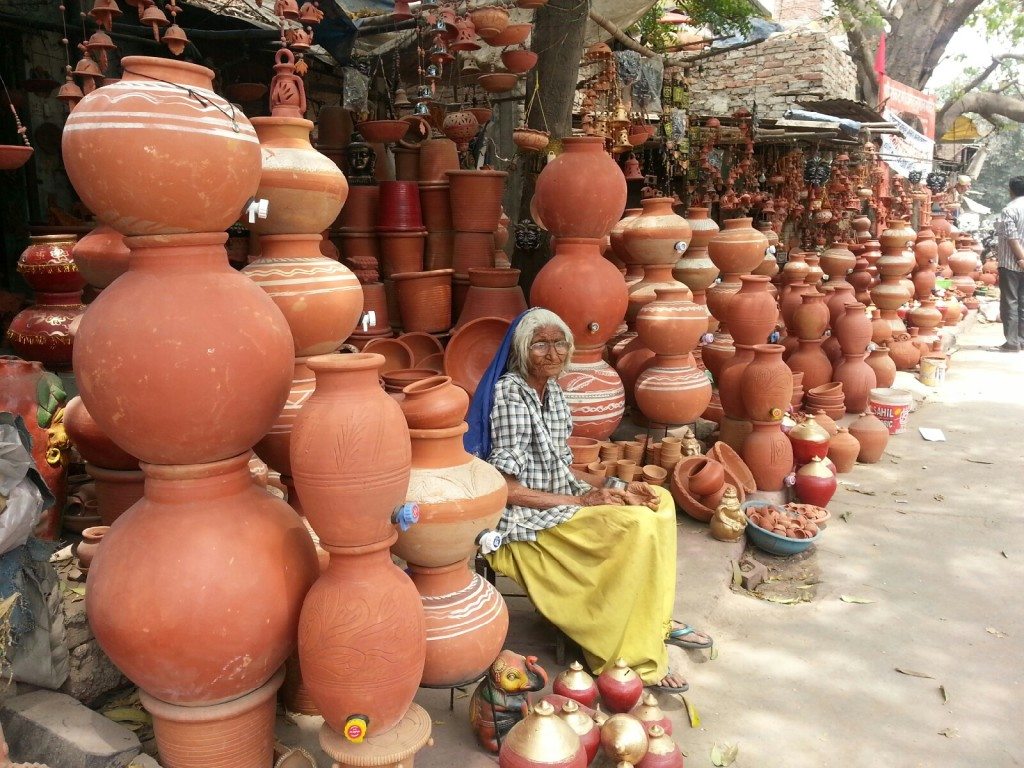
x,y
802,59
797,10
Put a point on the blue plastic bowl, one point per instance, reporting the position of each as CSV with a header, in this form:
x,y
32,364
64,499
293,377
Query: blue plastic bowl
x,y
770,542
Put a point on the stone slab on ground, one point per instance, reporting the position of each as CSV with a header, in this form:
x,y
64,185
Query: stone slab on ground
x,y
143,761
54,728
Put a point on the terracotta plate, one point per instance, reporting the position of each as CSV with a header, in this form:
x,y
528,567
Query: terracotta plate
x,y
396,354
471,350
422,345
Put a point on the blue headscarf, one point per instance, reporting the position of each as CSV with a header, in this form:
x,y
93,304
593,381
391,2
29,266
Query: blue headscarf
x,y
477,440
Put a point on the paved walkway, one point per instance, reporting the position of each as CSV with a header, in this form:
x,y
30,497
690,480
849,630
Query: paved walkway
x,y
934,538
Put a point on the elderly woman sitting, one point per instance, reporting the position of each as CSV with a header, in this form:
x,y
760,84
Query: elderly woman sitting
x,y
599,563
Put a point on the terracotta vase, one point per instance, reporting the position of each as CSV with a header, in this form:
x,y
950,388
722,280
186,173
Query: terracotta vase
x,y
542,740
89,545
672,390
837,262
350,489
45,331
643,291
576,684
810,319
92,443
841,295
853,329
320,299
48,266
247,625
658,235
101,256
695,267
178,301
466,622
304,188
767,384
594,393
872,435
924,281
791,299
582,192
145,182
812,362
671,324
815,483
116,490
730,380
768,454
883,366
810,440
620,687
926,316
238,732
579,262
796,268
897,235
492,292
476,199
857,378
752,312
738,248
38,397
842,450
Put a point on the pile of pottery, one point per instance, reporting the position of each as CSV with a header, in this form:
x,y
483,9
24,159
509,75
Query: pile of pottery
x,y
795,521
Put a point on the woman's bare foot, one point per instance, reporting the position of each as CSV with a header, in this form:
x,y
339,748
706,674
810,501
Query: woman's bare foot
x,y
673,680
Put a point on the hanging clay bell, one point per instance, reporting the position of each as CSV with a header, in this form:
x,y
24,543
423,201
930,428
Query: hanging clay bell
x,y
542,739
574,683
620,687
624,739
584,727
662,751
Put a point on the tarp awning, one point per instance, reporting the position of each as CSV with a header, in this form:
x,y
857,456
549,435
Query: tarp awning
x,y
974,206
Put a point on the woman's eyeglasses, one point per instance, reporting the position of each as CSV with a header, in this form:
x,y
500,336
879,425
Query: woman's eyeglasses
x,y
543,347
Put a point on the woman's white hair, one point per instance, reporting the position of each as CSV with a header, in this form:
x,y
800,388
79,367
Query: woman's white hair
x,y
533,321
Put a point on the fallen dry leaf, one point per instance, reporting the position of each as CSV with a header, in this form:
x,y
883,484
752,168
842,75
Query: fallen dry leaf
x,y
724,754
949,733
939,497
944,694
857,600
994,631
980,461
912,673
863,492
691,712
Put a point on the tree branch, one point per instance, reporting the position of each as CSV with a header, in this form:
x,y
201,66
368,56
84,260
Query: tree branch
x,y
621,36
953,16
990,106
864,58
968,88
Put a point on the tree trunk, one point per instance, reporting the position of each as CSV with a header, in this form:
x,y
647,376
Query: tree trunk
x,y
558,40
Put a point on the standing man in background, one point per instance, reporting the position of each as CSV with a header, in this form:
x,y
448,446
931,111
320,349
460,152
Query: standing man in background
x,y
1010,251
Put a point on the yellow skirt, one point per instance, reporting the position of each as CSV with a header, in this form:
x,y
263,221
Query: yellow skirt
x,y
607,579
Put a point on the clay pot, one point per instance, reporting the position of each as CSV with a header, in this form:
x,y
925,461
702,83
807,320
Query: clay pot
x,y
796,268
642,291
853,329
93,445
873,436
187,515
620,687
492,292
769,455
583,724
825,421
89,545
815,483
574,683
671,324
662,751
349,493
129,363
791,299
156,179
897,235
705,477
238,732
321,299
439,249
116,490
624,739
434,403
730,380
45,330
582,192
401,252
579,262
672,390
542,738
101,256
883,366
657,235
752,312
837,262
425,300
738,248
767,384
695,268
810,319
435,205
926,316
305,189
649,713
615,235
858,379
436,158
595,394
398,207
48,266
810,440
841,295
360,210
476,199
843,449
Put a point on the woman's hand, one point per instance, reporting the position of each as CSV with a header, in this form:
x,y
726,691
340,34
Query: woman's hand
x,y
639,493
598,496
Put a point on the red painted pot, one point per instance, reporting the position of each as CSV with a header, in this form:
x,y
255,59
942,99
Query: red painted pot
x,y
45,330
815,483
398,207
576,684
620,687
48,266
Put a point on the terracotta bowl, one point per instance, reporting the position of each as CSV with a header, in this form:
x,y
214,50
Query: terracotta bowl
x,y
599,468
422,345
397,380
831,389
382,131
471,349
652,473
584,449
434,362
498,82
704,478
734,466
513,34
396,354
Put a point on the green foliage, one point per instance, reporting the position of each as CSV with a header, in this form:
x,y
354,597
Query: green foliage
x,y
1000,20
1005,160
721,16
656,36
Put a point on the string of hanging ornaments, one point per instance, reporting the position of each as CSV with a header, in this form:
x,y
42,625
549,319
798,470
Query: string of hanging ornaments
x,y
13,156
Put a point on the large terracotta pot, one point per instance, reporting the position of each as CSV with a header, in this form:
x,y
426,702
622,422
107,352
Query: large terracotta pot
x,y
350,452
904,353
92,443
595,395
206,644
582,192
790,299
897,235
101,256
767,384
769,455
362,635
27,390
615,236
435,205
45,331
857,378
476,199
145,353
48,266
657,235
729,381
398,207
158,152
926,316
305,189
401,251
672,390
872,436
837,299
752,312
883,366
359,213
853,329
579,262
842,450
643,291
738,248
810,360
492,292
810,319
425,300
320,298
837,262
466,623
671,324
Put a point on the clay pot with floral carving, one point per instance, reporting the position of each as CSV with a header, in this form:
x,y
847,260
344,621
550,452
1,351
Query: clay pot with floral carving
x,y
767,384
768,454
145,182
857,378
752,312
872,436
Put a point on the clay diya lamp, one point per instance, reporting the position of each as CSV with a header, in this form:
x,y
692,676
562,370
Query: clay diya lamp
x,y
574,683
620,687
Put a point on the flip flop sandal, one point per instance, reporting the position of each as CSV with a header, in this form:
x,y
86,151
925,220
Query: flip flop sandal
x,y
670,689
677,637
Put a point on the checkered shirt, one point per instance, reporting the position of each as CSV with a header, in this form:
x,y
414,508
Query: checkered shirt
x,y
1010,226
528,442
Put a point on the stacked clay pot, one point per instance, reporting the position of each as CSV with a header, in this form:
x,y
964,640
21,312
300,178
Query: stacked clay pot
x,y
350,457
159,370
695,267
808,324
963,261
43,331
101,256
579,197
672,390
492,292
475,200
926,256
459,497
853,331
436,157
633,272
894,265
655,240
815,480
